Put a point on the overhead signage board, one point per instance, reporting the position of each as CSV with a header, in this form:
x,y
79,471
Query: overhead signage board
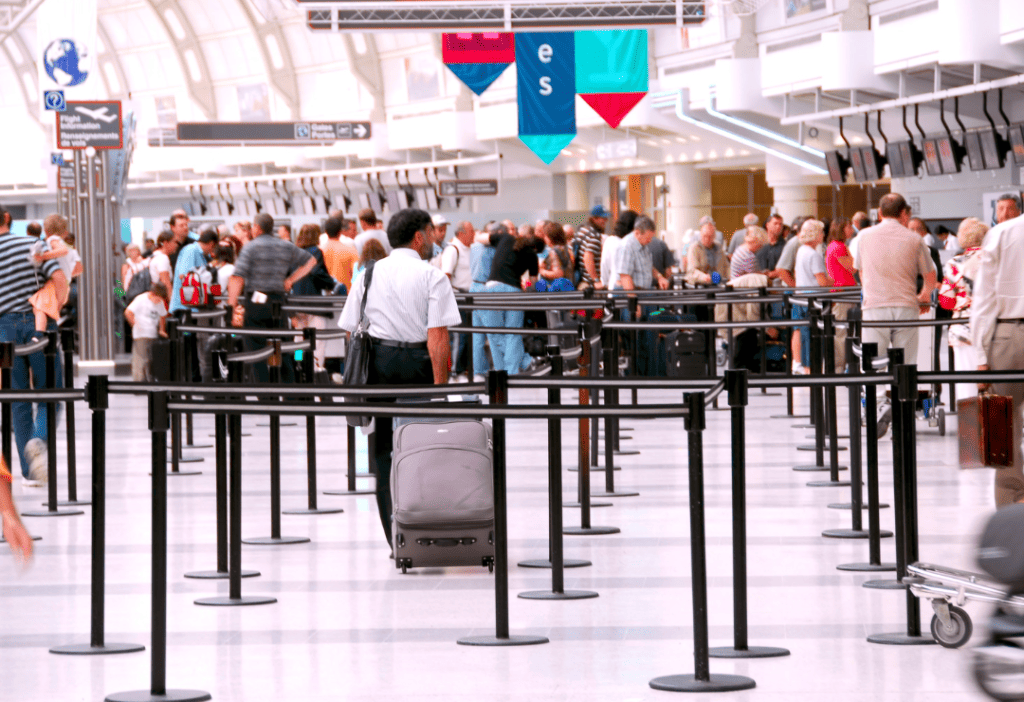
x,y
66,177
85,124
466,188
293,133
624,148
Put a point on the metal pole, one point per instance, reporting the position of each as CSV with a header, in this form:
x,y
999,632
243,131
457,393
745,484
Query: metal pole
x,y
68,345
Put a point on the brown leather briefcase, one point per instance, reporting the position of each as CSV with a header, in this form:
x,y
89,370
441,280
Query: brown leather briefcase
x,y
985,428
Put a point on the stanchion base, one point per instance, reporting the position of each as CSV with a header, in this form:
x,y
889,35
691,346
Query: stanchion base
x,y
812,447
594,468
804,426
69,503
514,640
841,437
749,652
853,534
829,483
55,513
283,424
567,595
615,494
342,493
34,538
245,601
276,540
193,447
90,650
848,505
318,510
690,683
590,531
566,563
900,639
626,452
884,585
577,505
179,473
815,469
243,435
600,437
187,459
867,567
168,696
790,416
218,575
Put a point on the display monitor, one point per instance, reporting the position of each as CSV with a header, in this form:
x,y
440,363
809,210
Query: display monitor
x,y
972,140
931,158
837,166
897,167
857,161
911,158
1017,142
947,155
991,149
872,163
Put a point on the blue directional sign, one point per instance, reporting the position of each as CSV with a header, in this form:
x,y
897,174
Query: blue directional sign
x,y
54,100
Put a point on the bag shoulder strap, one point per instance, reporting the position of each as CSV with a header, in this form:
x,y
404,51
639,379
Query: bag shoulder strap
x,y
367,279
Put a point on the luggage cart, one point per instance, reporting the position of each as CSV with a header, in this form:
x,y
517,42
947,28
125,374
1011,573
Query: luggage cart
x,y
948,590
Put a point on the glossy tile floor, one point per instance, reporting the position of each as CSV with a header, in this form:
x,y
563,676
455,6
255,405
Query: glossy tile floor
x,y
349,626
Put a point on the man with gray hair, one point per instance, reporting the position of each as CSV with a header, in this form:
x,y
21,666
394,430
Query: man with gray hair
x,y
633,258
749,220
1007,208
455,263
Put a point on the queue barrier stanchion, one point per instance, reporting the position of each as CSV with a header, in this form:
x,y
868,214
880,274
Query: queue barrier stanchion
x,y
817,404
6,425
235,597
159,422
220,422
610,431
583,477
895,360
556,558
614,342
276,317
228,318
497,390
309,369
831,424
192,350
787,313
177,363
275,538
736,384
50,356
952,384
874,564
905,396
67,342
701,680
351,475
98,397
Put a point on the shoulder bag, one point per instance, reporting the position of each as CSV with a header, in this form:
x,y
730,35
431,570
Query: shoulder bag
x,y
358,359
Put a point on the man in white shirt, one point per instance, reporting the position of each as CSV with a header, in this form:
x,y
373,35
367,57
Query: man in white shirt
x,y
160,270
409,307
455,264
997,334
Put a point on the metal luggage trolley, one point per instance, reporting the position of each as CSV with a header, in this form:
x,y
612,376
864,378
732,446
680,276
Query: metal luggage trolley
x,y
949,590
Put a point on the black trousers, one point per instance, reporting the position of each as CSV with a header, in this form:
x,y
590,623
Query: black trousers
x,y
393,366
258,315
462,361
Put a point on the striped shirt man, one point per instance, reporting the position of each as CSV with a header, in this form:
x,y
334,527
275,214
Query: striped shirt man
x,y
407,297
591,242
744,261
19,278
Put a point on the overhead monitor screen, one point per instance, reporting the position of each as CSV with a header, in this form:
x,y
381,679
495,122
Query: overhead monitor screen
x,y
990,149
1017,142
897,168
871,165
972,140
857,161
836,171
931,157
947,155
909,162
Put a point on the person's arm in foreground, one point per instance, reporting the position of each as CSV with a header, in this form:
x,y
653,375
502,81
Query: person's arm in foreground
x,y
440,353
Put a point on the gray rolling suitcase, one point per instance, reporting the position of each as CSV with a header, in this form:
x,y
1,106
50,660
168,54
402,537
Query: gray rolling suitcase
x,y
442,493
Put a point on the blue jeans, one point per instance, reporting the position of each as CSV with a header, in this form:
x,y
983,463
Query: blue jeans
x,y
799,312
506,349
480,364
19,327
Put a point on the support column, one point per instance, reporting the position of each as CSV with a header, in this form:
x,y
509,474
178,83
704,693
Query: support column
x,y
577,191
689,199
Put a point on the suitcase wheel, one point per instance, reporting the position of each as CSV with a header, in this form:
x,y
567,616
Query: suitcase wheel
x,y
404,564
489,562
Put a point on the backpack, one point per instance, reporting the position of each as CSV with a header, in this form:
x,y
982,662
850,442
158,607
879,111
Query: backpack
x,y
141,282
198,287
577,273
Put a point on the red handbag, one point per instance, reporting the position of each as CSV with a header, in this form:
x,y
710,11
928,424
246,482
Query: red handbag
x,y
985,430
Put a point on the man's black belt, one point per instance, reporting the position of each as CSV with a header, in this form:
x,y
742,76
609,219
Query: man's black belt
x,y
1010,321
400,344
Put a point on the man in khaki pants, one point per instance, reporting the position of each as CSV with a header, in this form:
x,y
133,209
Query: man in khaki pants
x,y
997,334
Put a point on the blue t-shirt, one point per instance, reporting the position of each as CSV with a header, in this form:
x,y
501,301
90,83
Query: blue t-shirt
x,y
189,258
481,258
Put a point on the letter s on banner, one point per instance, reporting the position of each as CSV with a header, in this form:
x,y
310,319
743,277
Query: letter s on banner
x,y
545,85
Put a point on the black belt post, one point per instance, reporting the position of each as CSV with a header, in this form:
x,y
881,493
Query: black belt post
x,y
613,341
787,334
585,528
701,680
276,316
192,349
831,424
67,343
610,430
50,356
634,304
235,573
952,384
874,564
497,391
275,538
895,359
350,475
309,370
219,363
159,422
817,404
736,384
556,559
905,397
177,363
6,426
96,392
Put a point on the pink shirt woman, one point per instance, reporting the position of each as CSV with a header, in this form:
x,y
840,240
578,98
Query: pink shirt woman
x,y
838,261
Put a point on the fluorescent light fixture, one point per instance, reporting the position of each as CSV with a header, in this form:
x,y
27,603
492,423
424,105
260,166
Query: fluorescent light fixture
x,y
757,129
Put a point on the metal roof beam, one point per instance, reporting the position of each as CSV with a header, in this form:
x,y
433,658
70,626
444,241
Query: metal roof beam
x,y
200,87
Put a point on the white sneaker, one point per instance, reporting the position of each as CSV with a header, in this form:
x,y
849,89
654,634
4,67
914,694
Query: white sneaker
x,y
35,452
32,483
336,378
479,378
798,367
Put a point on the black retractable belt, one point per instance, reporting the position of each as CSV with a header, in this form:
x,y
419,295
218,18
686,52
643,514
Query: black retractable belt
x,y
67,342
177,363
830,427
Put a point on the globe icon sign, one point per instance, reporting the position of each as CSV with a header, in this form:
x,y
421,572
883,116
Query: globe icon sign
x,y
63,60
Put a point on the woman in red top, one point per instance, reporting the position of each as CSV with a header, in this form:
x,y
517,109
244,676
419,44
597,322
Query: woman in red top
x,y
839,266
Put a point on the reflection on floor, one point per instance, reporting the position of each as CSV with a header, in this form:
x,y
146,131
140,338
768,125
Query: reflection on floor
x,y
349,626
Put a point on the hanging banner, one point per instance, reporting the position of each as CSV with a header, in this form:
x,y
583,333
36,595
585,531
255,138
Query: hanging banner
x,y
478,59
546,66
611,71
66,41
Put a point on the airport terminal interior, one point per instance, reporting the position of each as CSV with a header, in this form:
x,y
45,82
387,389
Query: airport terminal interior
x,y
696,487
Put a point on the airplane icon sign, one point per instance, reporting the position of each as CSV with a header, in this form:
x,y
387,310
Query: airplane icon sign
x,y
100,114
88,124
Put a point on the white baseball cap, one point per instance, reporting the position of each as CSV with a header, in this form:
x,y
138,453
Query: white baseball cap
x,y
438,220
